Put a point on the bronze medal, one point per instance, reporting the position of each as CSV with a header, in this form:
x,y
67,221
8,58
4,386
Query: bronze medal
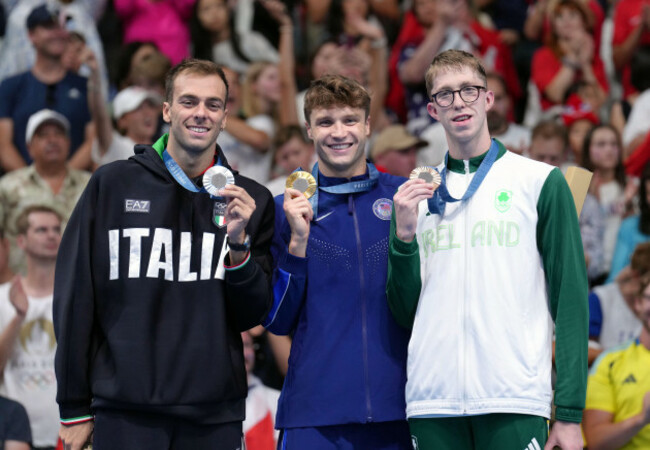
x,y
428,174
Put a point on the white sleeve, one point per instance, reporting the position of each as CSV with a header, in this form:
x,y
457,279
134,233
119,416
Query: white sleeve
x,y
121,148
637,123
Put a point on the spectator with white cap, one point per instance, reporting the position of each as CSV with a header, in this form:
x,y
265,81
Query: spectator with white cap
x,y
136,111
395,150
47,181
47,84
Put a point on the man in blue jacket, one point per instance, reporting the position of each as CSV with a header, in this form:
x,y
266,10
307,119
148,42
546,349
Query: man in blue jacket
x,y
345,384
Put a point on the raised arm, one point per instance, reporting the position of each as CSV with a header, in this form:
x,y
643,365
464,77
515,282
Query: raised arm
x,y
403,282
601,430
10,158
96,104
293,221
288,111
248,273
9,335
622,54
603,433
81,159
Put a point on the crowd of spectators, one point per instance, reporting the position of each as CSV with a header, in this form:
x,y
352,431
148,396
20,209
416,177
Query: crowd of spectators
x,y
82,81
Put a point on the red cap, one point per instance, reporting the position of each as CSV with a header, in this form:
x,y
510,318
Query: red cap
x,y
576,109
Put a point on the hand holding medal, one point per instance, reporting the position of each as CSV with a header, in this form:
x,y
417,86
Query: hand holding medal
x,y
302,181
298,210
220,182
422,183
428,174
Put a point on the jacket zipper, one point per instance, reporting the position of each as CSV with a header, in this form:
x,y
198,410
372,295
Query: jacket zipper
x,y
464,302
364,308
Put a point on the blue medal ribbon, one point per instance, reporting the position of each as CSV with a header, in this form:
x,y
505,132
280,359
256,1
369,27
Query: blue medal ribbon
x,y
442,196
180,176
350,187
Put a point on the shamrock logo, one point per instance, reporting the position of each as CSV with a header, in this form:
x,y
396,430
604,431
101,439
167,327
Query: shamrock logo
x,y
503,200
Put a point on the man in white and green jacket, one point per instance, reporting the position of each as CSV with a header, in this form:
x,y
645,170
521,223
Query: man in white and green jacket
x,y
481,270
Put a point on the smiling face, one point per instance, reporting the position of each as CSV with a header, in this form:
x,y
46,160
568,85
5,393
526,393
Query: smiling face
x,y
465,123
339,135
197,112
141,123
50,40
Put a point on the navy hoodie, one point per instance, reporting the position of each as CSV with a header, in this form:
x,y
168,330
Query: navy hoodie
x,y
146,317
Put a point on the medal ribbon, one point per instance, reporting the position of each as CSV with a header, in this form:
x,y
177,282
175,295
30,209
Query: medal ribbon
x,y
350,187
180,176
441,196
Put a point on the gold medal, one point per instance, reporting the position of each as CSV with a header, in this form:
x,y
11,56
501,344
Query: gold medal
x,y
302,181
428,174
216,178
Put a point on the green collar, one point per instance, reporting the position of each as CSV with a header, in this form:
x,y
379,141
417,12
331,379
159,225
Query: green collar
x,y
458,165
161,144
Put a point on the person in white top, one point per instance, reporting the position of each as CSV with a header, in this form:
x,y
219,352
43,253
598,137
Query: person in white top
x,y
135,110
603,155
291,150
481,270
215,36
27,342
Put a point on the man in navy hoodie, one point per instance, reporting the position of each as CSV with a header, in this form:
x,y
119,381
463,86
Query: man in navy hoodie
x,y
154,283
345,384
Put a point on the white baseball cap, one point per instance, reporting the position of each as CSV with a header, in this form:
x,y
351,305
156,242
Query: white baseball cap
x,y
131,98
45,115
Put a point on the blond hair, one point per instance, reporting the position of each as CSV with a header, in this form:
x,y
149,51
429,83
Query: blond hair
x,y
456,60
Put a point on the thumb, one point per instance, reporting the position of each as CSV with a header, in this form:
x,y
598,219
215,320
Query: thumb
x,y
550,444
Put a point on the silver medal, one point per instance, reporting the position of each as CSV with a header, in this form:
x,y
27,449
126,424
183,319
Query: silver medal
x,y
216,178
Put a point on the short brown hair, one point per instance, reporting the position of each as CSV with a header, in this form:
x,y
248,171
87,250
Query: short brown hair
x,y
286,133
22,221
336,90
550,129
193,66
453,60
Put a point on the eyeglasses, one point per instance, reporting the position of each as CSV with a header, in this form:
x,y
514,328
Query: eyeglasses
x,y
468,94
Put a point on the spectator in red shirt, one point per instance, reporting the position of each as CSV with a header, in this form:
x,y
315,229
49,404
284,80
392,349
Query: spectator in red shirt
x,y
568,62
434,26
631,31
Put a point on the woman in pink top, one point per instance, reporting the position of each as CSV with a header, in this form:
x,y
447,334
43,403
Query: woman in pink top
x,y
163,22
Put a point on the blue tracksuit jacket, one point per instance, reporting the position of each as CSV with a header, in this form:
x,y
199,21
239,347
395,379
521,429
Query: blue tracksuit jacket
x,y
348,357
